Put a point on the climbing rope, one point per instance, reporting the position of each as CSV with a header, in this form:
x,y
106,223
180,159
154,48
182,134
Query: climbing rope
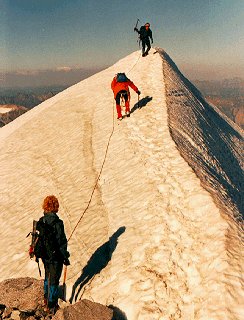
x,y
100,172
99,175
134,63
96,182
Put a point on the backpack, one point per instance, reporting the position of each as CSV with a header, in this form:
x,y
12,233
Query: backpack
x,y
121,77
46,246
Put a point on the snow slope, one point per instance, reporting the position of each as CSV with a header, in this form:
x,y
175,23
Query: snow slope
x,y
153,242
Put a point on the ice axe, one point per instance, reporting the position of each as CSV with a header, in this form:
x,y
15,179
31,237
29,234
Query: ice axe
x,y
135,29
136,24
34,238
64,285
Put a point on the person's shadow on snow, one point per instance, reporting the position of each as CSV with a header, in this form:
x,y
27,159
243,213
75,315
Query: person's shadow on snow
x,y
98,261
117,313
141,103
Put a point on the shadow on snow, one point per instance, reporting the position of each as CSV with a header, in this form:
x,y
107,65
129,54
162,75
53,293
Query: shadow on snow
x,y
98,261
141,103
117,313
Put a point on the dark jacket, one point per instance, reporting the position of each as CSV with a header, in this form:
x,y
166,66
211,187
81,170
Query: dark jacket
x,y
144,33
60,240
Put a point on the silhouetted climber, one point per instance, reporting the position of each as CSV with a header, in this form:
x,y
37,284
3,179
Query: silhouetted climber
x,y
120,86
51,247
145,33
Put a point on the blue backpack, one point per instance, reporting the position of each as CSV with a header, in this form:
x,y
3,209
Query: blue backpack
x,y
121,77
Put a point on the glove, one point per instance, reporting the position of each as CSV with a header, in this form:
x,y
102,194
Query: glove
x,y
135,29
138,92
31,252
66,262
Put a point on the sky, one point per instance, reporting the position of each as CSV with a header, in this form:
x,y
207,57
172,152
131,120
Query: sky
x,y
205,38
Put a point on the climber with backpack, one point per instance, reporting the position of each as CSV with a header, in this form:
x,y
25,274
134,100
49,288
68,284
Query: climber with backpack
x,y
120,86
51,246
144,34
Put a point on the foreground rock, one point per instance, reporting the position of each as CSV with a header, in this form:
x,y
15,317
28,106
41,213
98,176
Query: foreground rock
x,y
22,299
25,294
84,310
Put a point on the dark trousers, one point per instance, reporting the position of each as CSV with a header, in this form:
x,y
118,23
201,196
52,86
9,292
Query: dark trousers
x,y
145,42
125,95
53,271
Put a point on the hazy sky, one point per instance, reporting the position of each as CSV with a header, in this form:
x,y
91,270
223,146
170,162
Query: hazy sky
x,y
201,36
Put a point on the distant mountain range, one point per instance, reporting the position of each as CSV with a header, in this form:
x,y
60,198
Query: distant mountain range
x,y
28,97
15,102
227,95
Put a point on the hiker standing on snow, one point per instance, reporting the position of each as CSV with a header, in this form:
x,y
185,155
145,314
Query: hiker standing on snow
x,y
120,86
51,247
145,33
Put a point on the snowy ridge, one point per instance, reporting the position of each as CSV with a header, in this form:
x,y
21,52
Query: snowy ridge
x,y
216,154
153,241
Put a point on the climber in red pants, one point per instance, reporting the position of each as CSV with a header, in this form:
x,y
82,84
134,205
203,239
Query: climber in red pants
x,y
120,86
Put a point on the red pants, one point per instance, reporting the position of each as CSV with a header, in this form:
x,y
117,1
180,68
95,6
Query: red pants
x,y
125,95
127,109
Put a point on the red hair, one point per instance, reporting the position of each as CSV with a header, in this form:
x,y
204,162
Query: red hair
x,y
50,204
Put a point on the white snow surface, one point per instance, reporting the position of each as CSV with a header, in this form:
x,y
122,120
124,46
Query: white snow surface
x,y
172,252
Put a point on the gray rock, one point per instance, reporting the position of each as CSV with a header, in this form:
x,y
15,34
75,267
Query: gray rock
x,y
22,299
84,310
24,294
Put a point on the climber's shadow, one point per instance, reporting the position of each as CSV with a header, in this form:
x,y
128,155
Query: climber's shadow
x,y
141,103
98,261
117,313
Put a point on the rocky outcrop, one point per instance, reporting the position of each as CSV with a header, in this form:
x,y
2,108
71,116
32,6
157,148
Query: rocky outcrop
x,y
86,310
239,117
24,294
12,112
22,299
